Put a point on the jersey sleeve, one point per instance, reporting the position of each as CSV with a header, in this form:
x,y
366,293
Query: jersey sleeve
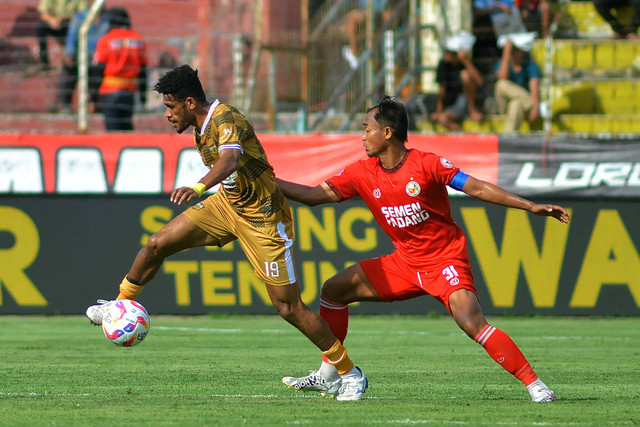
x,y
440,168
344,184
533,69
100,55
228,130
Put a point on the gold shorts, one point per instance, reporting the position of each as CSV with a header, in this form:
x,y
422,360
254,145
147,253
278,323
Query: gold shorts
x,y
269,249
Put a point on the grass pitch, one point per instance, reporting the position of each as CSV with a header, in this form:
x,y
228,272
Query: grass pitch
x,y
226,370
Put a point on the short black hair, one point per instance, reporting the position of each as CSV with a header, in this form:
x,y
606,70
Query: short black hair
x,y
392,113
181,82
118,17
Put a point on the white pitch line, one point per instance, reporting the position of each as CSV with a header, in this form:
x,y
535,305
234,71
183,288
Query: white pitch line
x,y
286,395
277,331
421,333
447,422
45,394
174,328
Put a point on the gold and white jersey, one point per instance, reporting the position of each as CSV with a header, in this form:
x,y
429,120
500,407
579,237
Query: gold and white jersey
x,y
252,190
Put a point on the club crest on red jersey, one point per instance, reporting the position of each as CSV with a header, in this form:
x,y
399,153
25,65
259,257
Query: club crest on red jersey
x,y
446,163
377,193
412,188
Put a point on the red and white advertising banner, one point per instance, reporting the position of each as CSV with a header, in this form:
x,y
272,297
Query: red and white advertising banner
x,y
158,163
74,211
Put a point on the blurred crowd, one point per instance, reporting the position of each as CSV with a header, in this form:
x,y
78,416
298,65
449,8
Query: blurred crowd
x,y
117,62
489,70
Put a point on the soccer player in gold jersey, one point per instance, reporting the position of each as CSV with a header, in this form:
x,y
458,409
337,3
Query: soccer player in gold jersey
x,y
249,207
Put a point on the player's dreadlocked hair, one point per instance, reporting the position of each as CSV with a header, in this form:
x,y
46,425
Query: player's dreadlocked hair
x,y
181,82
392,113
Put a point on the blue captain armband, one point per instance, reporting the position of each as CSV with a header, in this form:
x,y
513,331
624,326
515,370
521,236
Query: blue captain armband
x,y
458,181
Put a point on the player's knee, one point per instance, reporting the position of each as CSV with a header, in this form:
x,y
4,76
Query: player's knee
x,y
155,246
287,312
333,291
471,322
468,326
283,309
328,289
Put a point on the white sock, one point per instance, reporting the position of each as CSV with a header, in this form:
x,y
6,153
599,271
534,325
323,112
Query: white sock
x,y
328,371
353,373
536,383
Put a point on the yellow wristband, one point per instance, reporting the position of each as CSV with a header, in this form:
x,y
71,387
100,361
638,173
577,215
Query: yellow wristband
x,y
199,188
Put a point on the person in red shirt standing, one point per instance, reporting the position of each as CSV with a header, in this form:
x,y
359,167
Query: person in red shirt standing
x,y
405,189
121,53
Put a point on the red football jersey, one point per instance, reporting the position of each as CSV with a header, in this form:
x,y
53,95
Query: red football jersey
x,y
411,204
123,53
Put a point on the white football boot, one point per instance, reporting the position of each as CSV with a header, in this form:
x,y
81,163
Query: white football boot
x,y
354,385
96,312
540,392
314,382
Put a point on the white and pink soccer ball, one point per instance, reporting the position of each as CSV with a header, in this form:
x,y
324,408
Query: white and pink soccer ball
x,y
126,322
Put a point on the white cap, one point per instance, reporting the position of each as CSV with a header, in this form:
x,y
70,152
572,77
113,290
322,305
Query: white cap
x,y
522,41
460,41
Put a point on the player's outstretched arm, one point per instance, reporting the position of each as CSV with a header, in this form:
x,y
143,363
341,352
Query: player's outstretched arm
x,y
310,196
492,193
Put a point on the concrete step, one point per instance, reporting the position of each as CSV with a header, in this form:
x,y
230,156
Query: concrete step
x,y
592,58
59,123
148,121
28,93
609,97
585,124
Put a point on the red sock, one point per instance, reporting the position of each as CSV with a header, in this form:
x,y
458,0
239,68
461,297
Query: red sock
x,y
337,316
503,350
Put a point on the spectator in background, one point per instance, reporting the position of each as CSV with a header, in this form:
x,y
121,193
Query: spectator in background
x,y
517,88
121,55
55,16
355,23
605,7
459,81
485,14
69,77
499,15
536,15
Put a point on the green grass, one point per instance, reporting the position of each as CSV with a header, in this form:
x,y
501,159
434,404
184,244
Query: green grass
x,y
226,370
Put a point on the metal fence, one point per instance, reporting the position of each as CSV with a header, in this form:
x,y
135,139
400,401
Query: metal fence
x,y
284,59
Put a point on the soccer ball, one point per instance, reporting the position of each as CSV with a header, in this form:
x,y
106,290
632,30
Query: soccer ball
x,y
125,322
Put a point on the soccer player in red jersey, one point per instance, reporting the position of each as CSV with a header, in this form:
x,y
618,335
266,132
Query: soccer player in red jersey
x,y
405,189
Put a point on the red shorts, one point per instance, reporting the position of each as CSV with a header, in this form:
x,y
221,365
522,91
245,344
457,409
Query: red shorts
x,y
396,281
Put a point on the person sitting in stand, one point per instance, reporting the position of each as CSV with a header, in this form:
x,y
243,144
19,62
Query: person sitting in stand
x,y
517,89
459,81
55,16
69,76
355,22
538,15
